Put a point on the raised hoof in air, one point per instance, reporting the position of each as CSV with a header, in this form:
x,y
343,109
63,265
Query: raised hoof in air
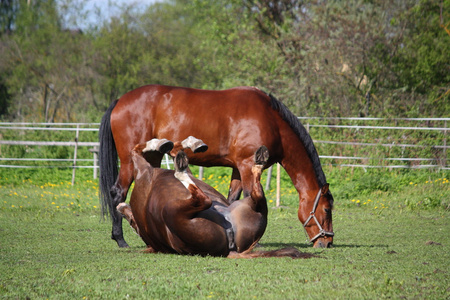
x,y
122,207
201,148
261,156
160,145
165,147
195,144
181,161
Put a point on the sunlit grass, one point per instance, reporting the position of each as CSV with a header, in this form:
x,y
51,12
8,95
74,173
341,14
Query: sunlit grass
x,y
55,196
53,245
390,191
427,194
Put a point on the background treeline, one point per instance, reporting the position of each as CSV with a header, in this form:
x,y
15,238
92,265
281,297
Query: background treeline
x,y
321,58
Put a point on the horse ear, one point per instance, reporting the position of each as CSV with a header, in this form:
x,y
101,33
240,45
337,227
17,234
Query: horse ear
x,y
325,188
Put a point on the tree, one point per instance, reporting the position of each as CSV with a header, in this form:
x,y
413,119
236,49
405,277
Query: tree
x,y
321,58
8,11
422,63
43,63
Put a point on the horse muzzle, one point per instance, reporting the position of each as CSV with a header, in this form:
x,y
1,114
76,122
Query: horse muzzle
x,y
324,242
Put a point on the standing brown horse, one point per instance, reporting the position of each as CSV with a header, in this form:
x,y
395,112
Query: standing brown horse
x,y
233,123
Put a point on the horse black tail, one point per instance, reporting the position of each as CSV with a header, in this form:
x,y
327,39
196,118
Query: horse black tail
x,y
107,162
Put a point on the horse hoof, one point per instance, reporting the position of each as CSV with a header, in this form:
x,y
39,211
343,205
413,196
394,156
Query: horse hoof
x,y
120,242
160,145
261,155
121,207
195,144
181,161
165,147
201,148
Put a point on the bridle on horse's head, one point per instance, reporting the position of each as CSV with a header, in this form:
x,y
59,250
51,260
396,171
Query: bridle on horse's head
x,y
312,216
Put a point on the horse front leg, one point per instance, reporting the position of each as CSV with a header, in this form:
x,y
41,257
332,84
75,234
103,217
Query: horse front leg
x,y
125,210
257,193
118,195
245,174
234,193
194,144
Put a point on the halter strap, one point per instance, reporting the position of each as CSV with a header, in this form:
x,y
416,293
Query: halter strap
x,y
312,215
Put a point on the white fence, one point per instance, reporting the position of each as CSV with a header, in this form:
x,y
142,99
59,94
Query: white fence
x,y
436,143
421,136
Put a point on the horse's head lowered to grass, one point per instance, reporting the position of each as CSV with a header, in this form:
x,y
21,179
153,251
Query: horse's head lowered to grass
x,y
318,223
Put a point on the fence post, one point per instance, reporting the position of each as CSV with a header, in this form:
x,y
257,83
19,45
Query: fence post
x,y
166,156
444,161
94,152
278,185
269,178
75,154
200,173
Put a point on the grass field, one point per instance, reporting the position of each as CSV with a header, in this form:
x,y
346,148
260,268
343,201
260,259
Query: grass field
x,y
392,241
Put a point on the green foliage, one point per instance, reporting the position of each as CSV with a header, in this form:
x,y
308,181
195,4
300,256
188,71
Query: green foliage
x,y
424,58
8,11
329,58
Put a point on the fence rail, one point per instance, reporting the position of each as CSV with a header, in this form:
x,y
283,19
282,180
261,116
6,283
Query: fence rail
x,y
343,152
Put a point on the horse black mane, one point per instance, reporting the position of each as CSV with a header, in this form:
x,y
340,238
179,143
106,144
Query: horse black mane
x,y
303,135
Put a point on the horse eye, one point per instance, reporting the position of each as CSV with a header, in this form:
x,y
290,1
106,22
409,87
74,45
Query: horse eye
x,y
327,211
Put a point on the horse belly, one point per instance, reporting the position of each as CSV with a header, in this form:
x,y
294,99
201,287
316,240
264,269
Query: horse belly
x,y
230,139
201,236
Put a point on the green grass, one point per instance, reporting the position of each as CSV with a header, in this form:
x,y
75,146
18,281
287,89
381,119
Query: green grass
x,y
53,245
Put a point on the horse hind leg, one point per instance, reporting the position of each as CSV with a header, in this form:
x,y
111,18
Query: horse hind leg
x,y
181,163
196,145
118,194
160,145
198,200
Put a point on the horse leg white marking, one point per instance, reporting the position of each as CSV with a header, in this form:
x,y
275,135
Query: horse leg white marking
x,y
125,210
184,178
121,207
154,144
195,144
189,142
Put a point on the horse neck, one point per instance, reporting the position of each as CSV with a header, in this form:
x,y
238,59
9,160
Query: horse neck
x,y
298,164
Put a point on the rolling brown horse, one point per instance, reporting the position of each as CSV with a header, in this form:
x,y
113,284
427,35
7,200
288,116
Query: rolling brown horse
x,y
173,212
233,123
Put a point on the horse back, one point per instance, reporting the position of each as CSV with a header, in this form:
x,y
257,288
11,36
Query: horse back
x,y
233,123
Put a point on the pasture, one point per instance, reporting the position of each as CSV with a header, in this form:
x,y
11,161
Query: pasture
x,y
392,241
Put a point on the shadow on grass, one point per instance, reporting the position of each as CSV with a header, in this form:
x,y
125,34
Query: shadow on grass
x,y
306,246
358,246
283,245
